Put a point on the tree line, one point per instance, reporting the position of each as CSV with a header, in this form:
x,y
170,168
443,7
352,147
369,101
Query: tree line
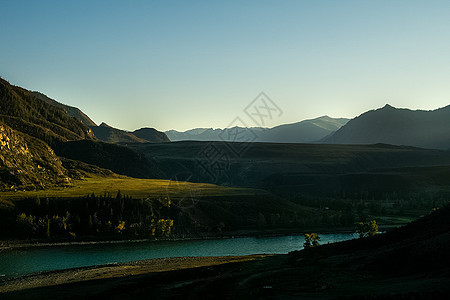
x,y
92,215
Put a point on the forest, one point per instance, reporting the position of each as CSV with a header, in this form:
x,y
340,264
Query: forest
x,y
103,215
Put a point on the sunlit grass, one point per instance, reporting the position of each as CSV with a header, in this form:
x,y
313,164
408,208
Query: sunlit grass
x,y
137,188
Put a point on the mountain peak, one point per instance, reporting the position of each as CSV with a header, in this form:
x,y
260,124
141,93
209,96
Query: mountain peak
x,y
397,126
152,135
104,125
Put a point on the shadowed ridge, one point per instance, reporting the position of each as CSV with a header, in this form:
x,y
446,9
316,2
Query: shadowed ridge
x,y
71,111
390,125
152,135
23,104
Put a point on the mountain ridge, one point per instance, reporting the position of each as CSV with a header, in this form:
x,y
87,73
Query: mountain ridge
x,y
109,134
50,132
71,111
397,126
306,131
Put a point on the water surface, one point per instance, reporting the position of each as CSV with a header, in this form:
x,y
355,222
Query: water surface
x,y
22,261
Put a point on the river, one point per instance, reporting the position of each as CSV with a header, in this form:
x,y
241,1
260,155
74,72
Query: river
x,y
22,261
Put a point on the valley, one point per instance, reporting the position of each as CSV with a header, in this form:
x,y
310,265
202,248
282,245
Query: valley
x,y
66,182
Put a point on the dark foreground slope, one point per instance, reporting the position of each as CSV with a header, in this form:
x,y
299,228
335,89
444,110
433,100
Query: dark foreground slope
x,y
409,262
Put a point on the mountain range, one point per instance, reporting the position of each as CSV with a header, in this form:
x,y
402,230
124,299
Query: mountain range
x,y
307,131
386,125
41,135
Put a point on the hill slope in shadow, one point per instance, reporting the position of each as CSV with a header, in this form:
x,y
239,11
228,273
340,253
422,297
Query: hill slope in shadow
x,y
390,125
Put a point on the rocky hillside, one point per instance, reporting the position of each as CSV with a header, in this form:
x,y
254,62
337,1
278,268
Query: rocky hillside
x,y
27,162
36,127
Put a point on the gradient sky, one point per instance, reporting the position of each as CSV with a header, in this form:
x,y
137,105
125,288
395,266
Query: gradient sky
x,y
185,64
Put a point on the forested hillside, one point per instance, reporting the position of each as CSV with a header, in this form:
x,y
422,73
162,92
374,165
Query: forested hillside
x,y
44,125
23,104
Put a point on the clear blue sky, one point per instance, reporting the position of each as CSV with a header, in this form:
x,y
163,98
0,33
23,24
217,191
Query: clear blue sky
x,y
184,64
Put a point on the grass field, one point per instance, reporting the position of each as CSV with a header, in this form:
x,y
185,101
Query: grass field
x,y
136,188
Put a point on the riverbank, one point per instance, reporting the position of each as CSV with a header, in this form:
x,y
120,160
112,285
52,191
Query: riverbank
x,y
226,235
409,262
60,277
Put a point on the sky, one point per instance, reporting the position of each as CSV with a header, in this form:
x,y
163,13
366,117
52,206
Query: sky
x,y
186,64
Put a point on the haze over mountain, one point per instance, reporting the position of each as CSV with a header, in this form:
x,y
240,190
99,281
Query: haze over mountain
x,y
307,131
390,125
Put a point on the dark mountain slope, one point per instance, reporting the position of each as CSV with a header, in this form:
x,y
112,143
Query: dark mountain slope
x,y
118,159
106,133
40,132
23,104
426,129
71,111
152,135
307,131
309,167
420,246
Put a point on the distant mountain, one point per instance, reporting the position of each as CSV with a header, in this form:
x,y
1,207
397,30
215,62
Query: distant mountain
x,y
390,125
151,135
307,131
210,134
108,134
